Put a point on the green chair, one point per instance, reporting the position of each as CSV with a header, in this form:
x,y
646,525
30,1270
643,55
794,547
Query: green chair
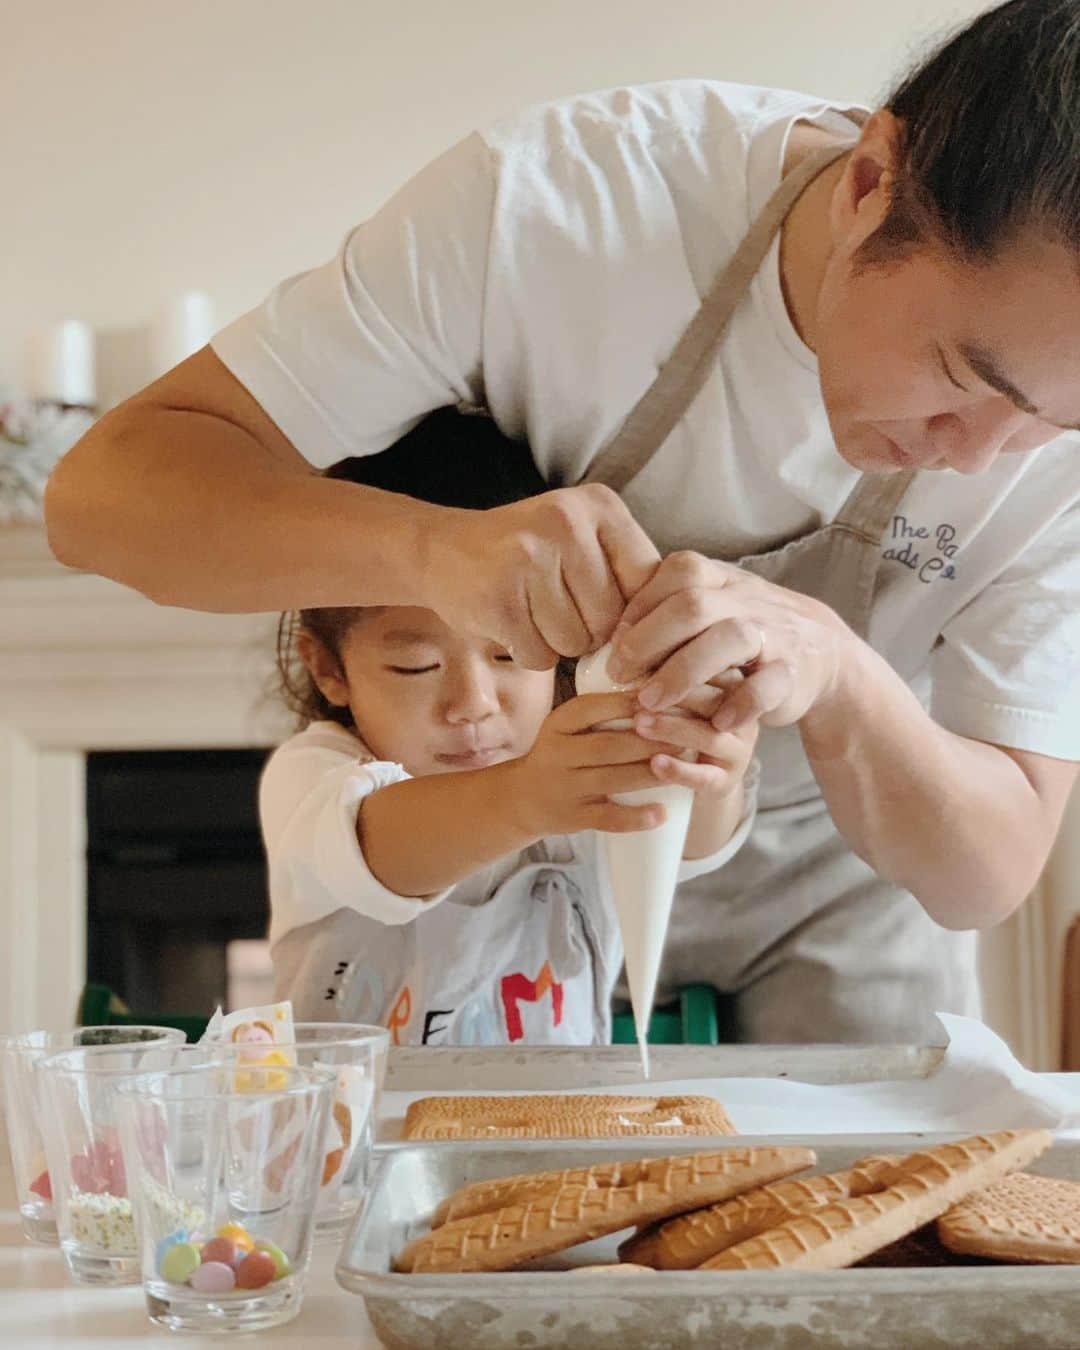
x,y
692,1020
100,1007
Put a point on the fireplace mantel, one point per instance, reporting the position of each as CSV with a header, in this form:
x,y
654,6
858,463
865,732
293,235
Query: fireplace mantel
x,y
86,664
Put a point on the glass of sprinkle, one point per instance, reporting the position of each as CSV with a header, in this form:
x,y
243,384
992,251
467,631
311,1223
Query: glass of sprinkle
x,y
22,1107
95,1218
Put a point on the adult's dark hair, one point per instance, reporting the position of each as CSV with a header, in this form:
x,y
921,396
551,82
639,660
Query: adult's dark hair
x,y
450,458
992,137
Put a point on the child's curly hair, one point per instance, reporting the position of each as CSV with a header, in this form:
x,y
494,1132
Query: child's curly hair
x,y
452,458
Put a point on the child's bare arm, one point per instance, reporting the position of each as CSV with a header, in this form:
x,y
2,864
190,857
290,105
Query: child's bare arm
x,y
423,835
717,775
713,821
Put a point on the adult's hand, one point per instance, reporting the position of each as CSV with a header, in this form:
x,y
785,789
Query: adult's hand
x,y
547,577
696,621
964,825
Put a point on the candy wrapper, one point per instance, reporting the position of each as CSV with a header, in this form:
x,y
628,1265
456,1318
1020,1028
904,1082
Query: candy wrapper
x,y
264,1037
269,1132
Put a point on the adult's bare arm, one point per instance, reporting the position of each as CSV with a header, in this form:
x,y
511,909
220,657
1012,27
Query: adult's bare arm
x,y
191,494
963,824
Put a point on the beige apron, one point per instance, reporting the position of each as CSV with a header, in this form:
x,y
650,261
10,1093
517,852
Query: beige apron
x,y
811,943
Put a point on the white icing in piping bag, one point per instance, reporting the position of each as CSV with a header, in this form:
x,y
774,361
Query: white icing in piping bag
x,y
643,866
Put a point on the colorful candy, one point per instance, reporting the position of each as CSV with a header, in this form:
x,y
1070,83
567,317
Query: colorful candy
x,y
255,1270
213,1277
169,1240
280,1260
237,1233
221,1249
231,1260
180,1262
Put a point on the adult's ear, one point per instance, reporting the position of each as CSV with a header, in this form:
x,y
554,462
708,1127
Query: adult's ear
x,y
863,197
324,668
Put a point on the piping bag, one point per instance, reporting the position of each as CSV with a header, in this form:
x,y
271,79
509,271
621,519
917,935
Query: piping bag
x,y
643,866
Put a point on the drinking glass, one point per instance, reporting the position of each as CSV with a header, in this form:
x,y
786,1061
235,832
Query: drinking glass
x,y
224,1164
21,1090
357,1054
94,1217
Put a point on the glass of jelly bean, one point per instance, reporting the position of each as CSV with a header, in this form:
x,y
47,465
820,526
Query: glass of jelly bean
x,y
224,1164
357,1053
22,1107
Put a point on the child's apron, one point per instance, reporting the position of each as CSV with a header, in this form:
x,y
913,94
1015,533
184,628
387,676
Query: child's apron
x,y
535,963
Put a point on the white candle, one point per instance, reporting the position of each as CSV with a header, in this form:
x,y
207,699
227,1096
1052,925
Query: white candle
x,y
60,364
182,325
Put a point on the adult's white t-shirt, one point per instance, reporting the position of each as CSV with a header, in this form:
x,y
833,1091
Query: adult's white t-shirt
x,y
548,266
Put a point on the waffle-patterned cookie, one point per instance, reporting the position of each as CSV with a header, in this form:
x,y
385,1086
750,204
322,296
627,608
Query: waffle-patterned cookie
x,y
563,1116
683,1243
496,1194
847,1230
1023,1218
500,1239
884,1167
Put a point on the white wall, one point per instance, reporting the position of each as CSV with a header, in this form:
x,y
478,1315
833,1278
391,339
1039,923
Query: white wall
x,y
157,146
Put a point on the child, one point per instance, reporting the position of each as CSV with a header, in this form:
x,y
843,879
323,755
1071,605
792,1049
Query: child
x,y
429,832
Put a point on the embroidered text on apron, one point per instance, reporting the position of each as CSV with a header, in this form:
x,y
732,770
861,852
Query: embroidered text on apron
x,y
815,945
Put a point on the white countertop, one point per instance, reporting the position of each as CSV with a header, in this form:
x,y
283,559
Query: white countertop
x,y
40,1306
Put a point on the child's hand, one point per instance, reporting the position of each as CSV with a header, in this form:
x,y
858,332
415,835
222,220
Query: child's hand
x,y
722,756
562,785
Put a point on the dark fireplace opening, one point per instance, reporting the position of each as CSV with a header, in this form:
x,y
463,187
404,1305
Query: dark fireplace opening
x,y
175,873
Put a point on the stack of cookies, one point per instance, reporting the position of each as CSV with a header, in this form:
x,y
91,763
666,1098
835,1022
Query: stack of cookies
x,y
744,1208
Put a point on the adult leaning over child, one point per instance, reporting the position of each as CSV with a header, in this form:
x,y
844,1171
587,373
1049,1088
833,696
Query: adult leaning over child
x,y
855,461
431,827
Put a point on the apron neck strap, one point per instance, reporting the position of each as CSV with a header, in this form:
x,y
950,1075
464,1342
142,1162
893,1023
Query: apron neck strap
x,y
663,404
872,502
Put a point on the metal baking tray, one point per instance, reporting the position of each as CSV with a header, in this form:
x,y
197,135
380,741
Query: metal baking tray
x,y
554,1068
926,1308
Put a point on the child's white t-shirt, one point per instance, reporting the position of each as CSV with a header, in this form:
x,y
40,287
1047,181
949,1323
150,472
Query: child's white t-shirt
x,y
526,948
547,268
